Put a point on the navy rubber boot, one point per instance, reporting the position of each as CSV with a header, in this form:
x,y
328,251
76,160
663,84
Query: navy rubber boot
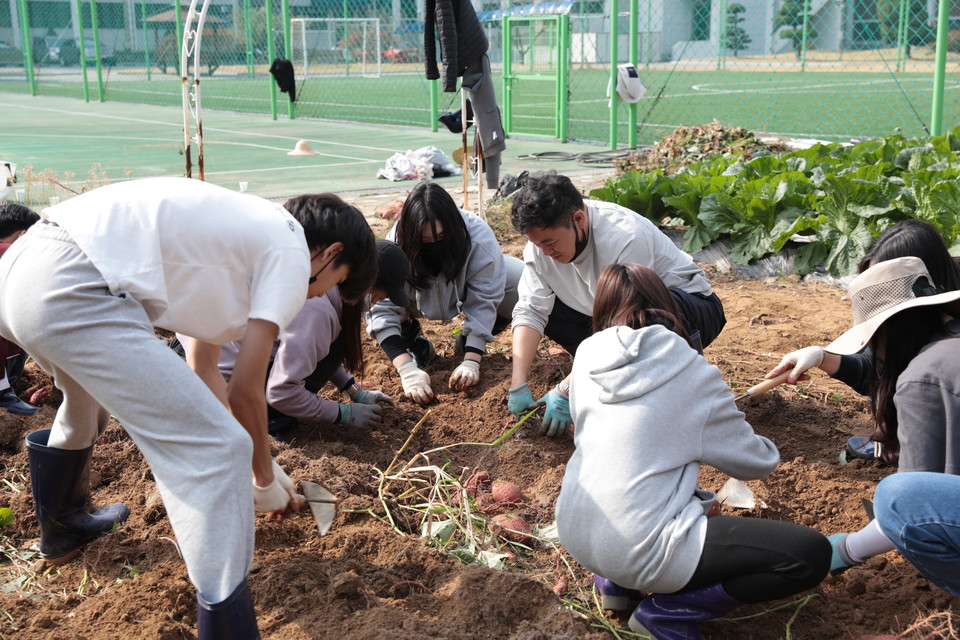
x,y
61,488
615,597
232,619
675,616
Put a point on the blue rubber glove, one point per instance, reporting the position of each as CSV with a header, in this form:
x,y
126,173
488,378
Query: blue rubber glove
x,y
360,415
521,400
556,418
840,560
371,396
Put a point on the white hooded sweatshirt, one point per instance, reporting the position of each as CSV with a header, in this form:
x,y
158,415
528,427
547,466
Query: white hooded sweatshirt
x,y
648,410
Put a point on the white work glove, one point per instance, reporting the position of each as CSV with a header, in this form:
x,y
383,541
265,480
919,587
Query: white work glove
x,y
466,375
416,382
800,360
360,415
364,396
276,495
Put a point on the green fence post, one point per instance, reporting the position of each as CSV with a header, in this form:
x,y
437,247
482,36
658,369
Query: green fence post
x,y
346,39
507,73
901,31
614,51
178,24
563,77
146,37
248,36
24,19
649,31
94,25
803,40
434,103
721,32
287,50
943,34
268,9
83,57
632,107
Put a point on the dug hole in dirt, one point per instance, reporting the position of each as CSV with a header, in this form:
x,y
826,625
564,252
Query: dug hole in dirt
x,y
367,580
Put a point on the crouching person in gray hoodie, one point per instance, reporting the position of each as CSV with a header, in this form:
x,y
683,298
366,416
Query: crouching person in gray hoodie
x,y
456,267
640,441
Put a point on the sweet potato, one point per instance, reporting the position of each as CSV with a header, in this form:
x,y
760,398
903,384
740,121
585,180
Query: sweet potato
x,y
512,527
506,493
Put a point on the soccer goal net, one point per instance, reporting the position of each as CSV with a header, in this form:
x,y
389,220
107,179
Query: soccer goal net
x,y
336,46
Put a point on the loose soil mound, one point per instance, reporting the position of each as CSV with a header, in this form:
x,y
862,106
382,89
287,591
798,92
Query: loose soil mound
x,y
366,580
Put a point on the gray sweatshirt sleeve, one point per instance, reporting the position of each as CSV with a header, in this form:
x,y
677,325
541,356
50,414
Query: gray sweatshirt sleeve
x,y
303,344
731,445
485,281
384,320
925,413
536,297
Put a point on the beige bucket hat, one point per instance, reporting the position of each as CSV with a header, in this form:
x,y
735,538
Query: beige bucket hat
x,y
883,290
302,149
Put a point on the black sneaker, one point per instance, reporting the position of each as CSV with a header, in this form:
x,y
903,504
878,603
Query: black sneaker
x,y
422,351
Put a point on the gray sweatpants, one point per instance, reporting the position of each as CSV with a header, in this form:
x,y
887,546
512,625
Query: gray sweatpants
x,y
103,354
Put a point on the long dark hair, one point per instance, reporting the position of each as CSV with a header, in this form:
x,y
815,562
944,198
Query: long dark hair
x,y
900,338
634,295
920,240
426,205
326,219
352,357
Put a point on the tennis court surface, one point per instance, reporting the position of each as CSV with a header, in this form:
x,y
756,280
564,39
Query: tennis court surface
x,y
63,140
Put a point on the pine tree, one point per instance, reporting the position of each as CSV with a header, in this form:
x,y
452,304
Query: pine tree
x,y
790,18
737,38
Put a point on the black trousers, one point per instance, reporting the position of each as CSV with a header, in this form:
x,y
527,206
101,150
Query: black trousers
x,y
758,560
700,313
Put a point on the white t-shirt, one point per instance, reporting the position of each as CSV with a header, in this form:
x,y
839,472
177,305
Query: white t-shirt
x,y
201,259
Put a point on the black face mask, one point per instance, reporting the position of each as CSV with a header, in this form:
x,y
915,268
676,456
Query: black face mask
x,y
433,255
580,244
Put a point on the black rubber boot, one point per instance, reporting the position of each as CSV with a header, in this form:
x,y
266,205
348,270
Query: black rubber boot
x,y
232,619
61,488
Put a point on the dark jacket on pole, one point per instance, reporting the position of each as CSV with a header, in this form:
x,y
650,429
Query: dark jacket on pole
x,y
462,40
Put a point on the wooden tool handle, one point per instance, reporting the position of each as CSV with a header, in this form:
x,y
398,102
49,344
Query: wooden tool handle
x,y
302,499
766,385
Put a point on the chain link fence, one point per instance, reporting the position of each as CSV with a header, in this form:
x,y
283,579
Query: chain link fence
x,y
831,69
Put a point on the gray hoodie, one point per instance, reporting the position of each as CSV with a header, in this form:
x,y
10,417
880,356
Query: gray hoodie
x,y
648,410
477,291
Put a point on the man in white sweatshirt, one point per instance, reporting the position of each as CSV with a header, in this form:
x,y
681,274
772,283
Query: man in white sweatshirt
x,y
571,242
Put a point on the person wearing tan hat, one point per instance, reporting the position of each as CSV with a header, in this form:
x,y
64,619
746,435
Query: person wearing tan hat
x,y
906,238
900,313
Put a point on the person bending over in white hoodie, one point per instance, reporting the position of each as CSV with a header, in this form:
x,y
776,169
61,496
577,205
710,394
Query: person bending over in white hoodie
x,y
649,410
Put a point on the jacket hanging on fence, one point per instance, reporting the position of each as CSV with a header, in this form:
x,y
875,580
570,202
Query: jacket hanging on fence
x,y
462,40
478,82
282,72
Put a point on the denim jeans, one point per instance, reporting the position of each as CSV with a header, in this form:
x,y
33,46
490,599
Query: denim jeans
x,y
920,514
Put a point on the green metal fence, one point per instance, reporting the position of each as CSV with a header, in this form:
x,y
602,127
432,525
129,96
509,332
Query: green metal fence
x,y
831,69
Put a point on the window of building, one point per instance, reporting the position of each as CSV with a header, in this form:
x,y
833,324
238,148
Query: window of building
x,y
700,20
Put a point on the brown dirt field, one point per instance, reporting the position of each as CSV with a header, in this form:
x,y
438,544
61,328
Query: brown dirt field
x,y
367,580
